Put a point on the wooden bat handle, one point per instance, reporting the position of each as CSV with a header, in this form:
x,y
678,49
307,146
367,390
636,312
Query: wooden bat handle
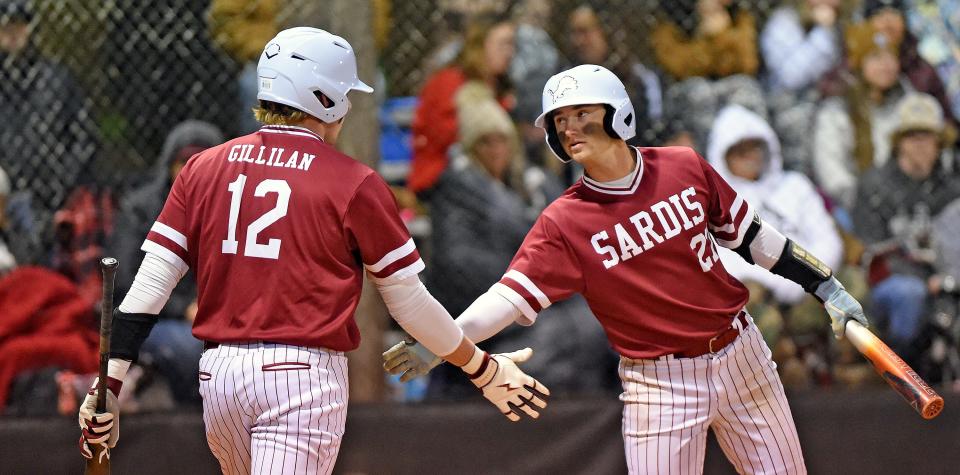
x,y
895,371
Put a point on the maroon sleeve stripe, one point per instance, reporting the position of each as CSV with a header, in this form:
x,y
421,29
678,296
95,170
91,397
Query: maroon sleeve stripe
x,y
523,292
402,263
738,223
168,244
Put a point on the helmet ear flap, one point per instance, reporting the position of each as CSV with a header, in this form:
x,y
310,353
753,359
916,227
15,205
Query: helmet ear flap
x,y
553,140
608,121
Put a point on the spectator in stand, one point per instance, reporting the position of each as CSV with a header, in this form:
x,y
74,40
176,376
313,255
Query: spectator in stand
x,y
722,43
714,59
481,209
536,59
937,26
800,43
591,44
745,150
48,136
171,347
896,203
241,28
486,55
888,17
852,132
477,206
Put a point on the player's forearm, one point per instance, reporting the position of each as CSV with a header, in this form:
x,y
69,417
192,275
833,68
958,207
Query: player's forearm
x,y
152,286
765,246
487,316
420,315
134,318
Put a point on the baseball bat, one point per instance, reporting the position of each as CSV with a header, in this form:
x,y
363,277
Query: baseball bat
x,y
898,374
100,463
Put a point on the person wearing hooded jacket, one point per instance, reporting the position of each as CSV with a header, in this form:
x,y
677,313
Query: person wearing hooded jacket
x,y
746,152
170,345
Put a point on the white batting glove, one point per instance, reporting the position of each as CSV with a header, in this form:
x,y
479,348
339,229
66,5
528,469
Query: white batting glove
x,y
409,359
100,427
506,386
840,305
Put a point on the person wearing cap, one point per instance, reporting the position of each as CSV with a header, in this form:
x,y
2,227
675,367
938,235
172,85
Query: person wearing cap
x,y
279,228
894,208
637,237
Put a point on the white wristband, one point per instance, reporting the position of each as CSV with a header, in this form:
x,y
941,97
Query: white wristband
x,y
476,360
117,368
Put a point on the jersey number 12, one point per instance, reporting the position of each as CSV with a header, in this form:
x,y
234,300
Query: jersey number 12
x,y
270,250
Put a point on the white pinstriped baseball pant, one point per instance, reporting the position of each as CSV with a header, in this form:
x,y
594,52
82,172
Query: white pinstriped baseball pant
x,y
669,404
272,408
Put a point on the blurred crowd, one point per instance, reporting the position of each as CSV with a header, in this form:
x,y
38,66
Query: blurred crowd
x,y
836,119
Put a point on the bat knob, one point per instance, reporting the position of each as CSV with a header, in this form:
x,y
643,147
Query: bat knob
x,y
109,263
933,409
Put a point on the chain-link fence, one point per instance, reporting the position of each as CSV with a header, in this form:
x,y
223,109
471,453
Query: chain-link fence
x,y
91,90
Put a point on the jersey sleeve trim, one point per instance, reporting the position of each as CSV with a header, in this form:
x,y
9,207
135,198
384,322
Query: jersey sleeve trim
x,y
170,233
730,235
527,314
400,273
393,256
165,254
529,286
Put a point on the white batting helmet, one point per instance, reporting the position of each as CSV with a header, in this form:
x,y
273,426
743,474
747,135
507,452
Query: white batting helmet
x,y
301,61
587,84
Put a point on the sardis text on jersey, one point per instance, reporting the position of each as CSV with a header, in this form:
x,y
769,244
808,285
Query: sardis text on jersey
x,y
272,158
666,212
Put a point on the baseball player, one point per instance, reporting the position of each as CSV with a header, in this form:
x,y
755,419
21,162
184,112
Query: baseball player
x,y
278,227
637,237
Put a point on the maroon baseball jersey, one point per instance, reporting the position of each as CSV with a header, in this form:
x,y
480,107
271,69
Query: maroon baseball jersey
x,y
643,256
277,227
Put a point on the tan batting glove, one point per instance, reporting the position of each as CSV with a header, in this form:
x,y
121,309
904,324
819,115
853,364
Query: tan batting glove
x,y
100,427
505,385
409,359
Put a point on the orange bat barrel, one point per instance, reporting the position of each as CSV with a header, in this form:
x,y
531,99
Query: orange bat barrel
x,y
895,371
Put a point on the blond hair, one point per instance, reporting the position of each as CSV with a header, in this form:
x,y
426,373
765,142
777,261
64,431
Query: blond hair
x,y
272,113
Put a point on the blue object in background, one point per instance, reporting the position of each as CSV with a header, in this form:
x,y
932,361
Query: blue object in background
x,y
396,148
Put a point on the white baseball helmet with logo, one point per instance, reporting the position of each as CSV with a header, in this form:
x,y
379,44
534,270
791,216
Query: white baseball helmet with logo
x,y
300,62
587,84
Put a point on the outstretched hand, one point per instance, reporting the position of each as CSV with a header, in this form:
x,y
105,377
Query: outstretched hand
x,y
409,359
510,389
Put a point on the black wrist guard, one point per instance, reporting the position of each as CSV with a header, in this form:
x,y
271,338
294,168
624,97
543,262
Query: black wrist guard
x,y
800,266
128,333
